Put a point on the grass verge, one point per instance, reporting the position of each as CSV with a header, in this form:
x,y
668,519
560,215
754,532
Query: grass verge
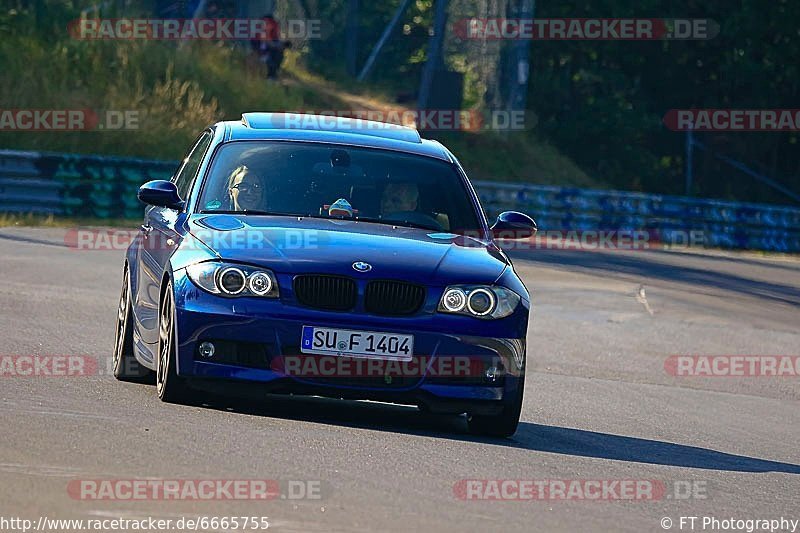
x,y
10,220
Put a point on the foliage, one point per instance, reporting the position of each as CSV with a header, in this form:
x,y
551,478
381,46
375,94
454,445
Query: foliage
x,y
603,102
175,88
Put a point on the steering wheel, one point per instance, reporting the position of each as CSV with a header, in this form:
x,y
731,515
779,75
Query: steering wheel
x,y
414,217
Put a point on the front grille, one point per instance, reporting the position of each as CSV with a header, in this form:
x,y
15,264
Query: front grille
x,y
393,298
333,293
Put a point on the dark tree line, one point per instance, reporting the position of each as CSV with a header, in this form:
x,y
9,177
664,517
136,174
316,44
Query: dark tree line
x,y
603,102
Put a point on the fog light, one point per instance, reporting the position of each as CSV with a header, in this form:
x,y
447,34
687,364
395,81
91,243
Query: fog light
x,y
206,350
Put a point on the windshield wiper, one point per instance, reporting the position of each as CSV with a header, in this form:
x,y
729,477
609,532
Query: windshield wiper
x,y
401,223
242,212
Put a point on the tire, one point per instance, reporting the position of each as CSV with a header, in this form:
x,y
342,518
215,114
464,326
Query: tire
x,y
124,363
170,387
503,424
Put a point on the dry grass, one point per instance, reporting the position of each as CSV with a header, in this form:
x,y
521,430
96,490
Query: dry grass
x,y
178,89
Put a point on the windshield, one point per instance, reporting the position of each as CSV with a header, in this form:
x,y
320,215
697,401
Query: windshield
x,y
333,181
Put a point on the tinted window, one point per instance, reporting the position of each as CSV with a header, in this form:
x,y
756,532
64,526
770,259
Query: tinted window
x,y
322,180
183,180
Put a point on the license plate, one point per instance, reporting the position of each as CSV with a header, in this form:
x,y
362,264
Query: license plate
x,y
356,343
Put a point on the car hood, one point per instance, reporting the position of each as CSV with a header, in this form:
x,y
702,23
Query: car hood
x,y
312,245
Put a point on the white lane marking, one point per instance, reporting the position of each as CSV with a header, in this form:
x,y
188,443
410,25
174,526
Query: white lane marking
x,y
56,412
38,470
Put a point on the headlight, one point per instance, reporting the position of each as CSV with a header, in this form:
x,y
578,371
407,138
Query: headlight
x,y
454,300
480,301
233,280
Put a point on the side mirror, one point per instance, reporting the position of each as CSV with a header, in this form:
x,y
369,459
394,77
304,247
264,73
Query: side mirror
x,y
513,225
160,193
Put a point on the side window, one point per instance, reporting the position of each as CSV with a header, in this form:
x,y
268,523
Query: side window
x,y
185,176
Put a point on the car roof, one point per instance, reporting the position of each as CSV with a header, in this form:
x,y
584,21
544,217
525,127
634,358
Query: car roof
x,y
331,129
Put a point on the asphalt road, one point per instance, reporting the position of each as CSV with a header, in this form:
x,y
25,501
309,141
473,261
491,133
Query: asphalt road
x,y
599,405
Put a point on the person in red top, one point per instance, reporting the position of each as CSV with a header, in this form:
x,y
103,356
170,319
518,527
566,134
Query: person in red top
x,y
273,32
270,47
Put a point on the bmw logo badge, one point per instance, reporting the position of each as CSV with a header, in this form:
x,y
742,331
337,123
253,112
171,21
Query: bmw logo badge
x,y
361,266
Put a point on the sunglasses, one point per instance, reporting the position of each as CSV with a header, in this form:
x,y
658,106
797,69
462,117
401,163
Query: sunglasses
x,y
246,188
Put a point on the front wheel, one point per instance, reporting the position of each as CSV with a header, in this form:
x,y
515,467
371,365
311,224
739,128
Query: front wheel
x,y
169,385
503,424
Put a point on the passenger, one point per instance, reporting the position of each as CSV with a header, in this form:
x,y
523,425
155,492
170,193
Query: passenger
x,y
399,198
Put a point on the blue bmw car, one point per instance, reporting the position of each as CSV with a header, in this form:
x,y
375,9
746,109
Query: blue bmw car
x,y
334,257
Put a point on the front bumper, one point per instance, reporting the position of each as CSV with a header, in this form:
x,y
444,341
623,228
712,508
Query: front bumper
x,y
258,342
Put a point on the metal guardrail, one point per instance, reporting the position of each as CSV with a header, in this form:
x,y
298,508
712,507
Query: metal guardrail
x,y
721,224
75,185
105,187
24,187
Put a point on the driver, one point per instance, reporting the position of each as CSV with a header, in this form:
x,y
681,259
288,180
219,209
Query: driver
x,y
399,197
245,189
